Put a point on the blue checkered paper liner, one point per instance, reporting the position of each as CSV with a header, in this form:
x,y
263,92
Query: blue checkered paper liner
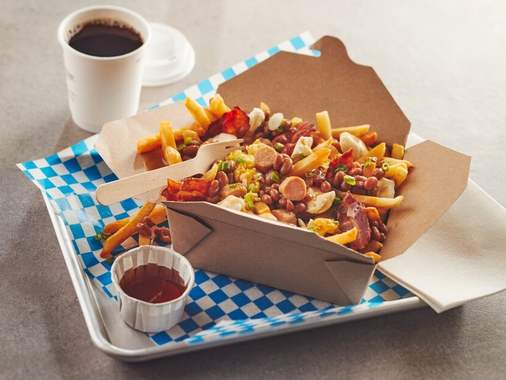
x,y
219,306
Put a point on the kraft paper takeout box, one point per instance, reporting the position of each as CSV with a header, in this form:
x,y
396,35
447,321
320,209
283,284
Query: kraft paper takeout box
x,y
272,253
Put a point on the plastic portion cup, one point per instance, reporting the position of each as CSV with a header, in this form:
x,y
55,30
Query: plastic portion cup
x,y
146,316
101,89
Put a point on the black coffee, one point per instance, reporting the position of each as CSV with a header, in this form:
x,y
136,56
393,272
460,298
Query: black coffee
x,y
102,40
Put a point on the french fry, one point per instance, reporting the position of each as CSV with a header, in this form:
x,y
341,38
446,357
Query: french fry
x,y
217,106
325,144
148,143
323,124
171,156
211,173
126,231
313,161
374,246
344,237
112,227
374,256
358,130
144,239
397,172
378,151
395,161
264,107
398,151
167,135
169,152
198,112
157,216
376,201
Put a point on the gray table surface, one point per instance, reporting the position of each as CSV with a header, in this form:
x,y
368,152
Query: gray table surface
x,y
443,63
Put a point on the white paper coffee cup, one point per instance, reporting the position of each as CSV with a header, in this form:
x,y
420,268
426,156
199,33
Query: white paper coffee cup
x,y
146,316
101,89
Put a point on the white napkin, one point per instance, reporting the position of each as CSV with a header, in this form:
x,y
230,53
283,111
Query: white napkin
x,y
461,258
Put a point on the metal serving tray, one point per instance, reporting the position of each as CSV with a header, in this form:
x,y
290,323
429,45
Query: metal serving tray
x,y
222,310
109,333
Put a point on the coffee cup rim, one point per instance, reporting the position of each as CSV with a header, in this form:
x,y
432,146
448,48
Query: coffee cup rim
x,y
64,23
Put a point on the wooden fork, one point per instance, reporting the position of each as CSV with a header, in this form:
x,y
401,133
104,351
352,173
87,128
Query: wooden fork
x,y
145,182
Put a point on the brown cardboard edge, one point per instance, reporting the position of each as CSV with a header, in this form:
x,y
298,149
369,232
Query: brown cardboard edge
x,y
437,181
352,93
272,228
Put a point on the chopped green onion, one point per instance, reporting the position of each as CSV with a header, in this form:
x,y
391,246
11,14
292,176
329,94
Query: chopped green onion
x,y
336,202
385,166
254,187
275,177
348,179
342,168
279,147
188,140
250,200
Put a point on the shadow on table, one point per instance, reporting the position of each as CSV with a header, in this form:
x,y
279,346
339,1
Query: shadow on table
x,y
403,343
70,135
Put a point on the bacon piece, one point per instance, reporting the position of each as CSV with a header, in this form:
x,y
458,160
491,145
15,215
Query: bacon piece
x,y
352,214
303,129
234,122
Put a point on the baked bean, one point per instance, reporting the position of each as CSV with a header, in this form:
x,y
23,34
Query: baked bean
x,y
190,150
375,233
274,193
162,234
222,178
317,176
144,229
214,187
382,227
370,183
300,208
378,173
355,171
278,161
282,202
148,221
266,198
275,186
231,178
282,139
288,148
325,186
344,186
382,237
338,178
286,166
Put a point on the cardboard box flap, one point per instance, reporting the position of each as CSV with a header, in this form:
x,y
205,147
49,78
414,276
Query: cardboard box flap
x,y
117,141
180,225
196,210
438,179
257,256
352,278
300,85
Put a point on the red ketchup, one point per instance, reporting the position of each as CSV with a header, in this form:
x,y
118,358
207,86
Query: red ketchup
x,y
152,283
